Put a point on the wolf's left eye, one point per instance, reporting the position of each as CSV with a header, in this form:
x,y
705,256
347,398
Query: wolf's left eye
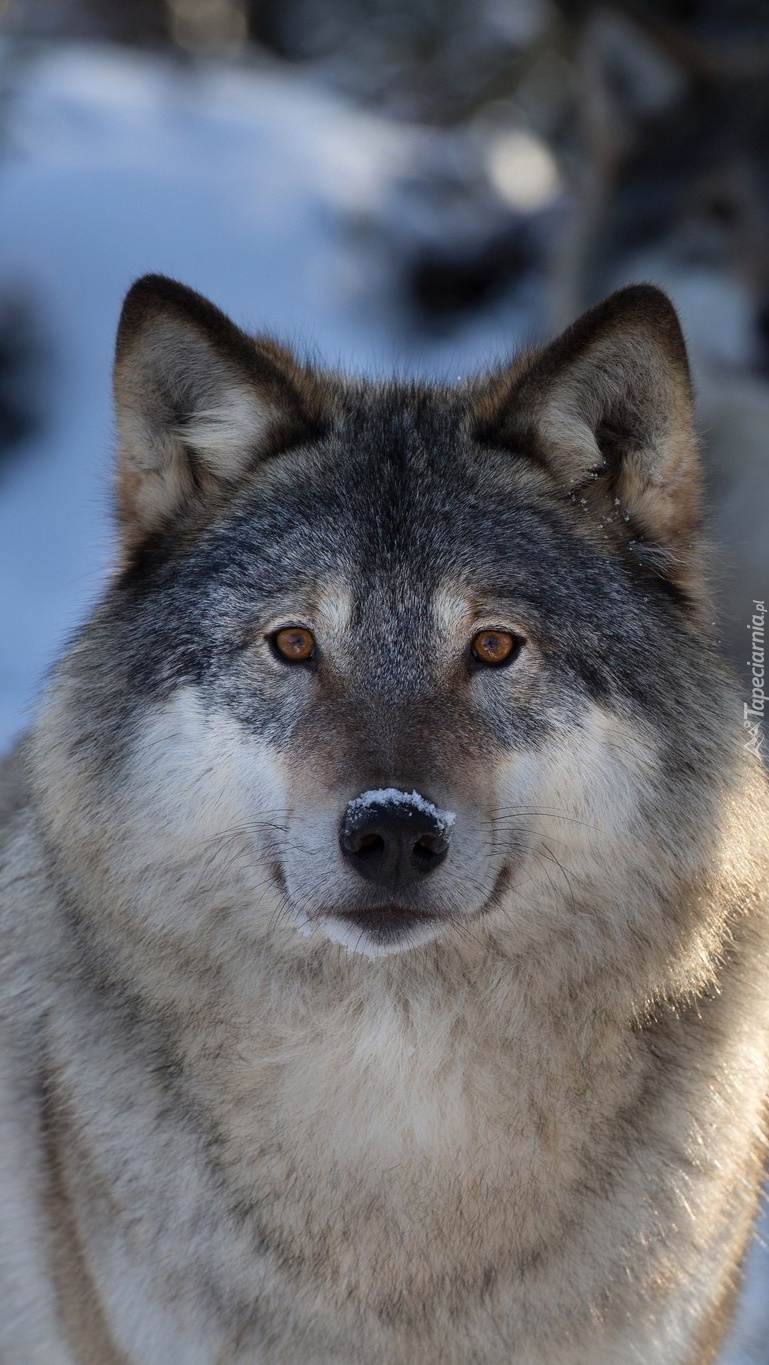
x,y
494,647
293,644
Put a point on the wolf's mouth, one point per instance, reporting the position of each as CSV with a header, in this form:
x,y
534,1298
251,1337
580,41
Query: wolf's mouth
x,y
388,924
384,923
388,927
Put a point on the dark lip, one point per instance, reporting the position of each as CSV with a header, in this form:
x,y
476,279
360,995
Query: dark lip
x,y
386,923
275,873
502,884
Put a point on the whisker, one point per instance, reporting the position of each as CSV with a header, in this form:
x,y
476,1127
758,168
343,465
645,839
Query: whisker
x,y
503,812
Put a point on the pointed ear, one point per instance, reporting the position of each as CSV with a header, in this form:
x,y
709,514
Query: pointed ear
x,y
607,411
198,404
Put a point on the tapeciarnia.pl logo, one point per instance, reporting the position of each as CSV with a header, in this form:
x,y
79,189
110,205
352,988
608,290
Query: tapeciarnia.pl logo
x,y
753,712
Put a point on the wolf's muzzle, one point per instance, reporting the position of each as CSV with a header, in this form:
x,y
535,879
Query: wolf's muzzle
x,y
392,838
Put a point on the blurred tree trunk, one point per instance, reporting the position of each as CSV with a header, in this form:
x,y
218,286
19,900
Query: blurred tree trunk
x,y
143,23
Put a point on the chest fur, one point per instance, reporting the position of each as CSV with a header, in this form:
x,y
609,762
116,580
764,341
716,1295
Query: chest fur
x,y
382,1164
388,1161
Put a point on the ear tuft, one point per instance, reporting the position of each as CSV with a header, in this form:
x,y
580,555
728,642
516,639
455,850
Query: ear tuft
x,y
198,404
607,410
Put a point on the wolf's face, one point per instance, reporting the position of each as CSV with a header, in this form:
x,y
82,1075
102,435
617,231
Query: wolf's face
x,y
403,661
403,612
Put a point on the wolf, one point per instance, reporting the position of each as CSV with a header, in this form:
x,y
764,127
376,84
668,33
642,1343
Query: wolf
x,y
674,188
384,876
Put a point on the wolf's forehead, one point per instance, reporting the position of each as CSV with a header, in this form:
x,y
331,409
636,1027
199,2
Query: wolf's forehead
x,y
343,604
393,535
393,511
380,509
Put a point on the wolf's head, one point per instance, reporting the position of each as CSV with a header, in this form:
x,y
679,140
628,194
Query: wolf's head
x,y
396,664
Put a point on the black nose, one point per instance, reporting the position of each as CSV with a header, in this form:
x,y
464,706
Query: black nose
x,y
394,843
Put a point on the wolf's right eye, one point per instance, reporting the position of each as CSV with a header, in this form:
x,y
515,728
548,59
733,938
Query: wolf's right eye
x,y
494,647
293,644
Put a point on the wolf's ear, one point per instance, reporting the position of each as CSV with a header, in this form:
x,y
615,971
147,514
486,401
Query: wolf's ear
x,y
607,411
197,403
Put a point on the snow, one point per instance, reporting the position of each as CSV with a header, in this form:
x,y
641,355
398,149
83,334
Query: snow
x,y
260,191
393,796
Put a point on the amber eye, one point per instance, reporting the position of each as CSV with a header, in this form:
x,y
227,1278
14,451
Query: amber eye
x,y
293,644
494,647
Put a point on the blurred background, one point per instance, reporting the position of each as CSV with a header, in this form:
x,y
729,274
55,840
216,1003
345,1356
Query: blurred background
x,y
422,185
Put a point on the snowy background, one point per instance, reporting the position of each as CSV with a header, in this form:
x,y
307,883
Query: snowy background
x,y
377,200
